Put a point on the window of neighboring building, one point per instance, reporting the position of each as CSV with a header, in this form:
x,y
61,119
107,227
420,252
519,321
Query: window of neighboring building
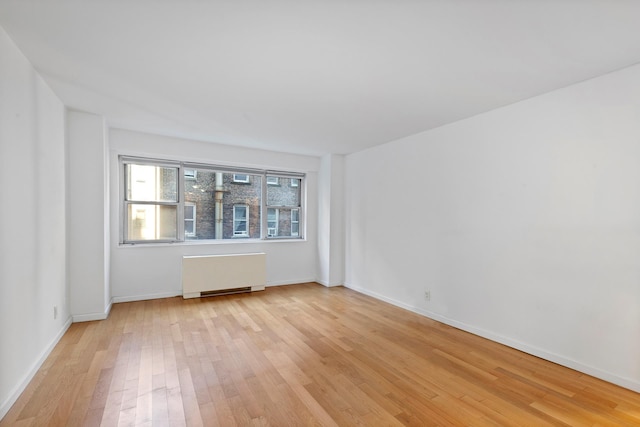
x,y
240,220
272,180
150,202
272,222
295,222
190,173
189,219
238,177
295,182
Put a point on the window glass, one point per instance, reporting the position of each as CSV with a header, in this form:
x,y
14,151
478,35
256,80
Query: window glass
x,y
206,203
150,183
215,194
152,222
272,222
295,222
283,196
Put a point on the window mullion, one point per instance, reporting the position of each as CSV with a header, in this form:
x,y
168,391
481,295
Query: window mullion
x,y
263,208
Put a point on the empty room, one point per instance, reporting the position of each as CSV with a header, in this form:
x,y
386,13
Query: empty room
x,y
328,213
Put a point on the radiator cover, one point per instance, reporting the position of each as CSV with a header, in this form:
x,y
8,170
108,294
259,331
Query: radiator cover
x,y
218,274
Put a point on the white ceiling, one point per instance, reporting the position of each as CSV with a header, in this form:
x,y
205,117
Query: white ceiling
x,y
315,76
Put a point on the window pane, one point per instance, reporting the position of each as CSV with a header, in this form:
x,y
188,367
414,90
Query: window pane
x,y
216,195
149,183
272,180
152,222
295,222
283,195
188,228
200,195
247,198
272,222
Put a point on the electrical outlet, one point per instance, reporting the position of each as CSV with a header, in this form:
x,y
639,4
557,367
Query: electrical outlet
x,y
427,295
55,312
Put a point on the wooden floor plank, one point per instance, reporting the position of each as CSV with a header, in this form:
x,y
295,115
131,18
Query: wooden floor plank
x,y
301,355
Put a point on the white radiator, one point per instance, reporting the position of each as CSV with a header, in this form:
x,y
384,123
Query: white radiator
x,y
223,274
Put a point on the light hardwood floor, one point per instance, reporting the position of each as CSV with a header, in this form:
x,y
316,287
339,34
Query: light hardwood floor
x,y
301,355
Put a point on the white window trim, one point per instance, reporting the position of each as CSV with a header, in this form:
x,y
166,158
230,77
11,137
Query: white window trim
x,y
242,233
295,182
272,183
126,200
260,174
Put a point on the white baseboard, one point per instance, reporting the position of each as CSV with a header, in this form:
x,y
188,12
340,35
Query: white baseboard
x,y
535,351
327,284
290,282
89,317
22,385
147,296
178,293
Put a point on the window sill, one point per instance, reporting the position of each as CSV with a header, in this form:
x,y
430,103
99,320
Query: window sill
x,y
211,242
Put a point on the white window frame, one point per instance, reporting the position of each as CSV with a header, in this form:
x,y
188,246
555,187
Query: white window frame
x,y
295,222
246,220
260,178
295,182
126,200
193,205
244,181
276,182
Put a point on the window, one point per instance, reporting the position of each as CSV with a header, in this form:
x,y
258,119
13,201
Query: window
x,y
237,177
295,222
272,222
295,182
172,201
190,173
189,219
240,220
281,202
150,202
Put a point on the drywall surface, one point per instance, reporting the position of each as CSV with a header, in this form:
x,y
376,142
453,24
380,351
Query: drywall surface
x,y
331,220
88,250
523,223
152,271
32,222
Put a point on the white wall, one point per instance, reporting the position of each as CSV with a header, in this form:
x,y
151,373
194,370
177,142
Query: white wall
x,y
151,271
87,217
32,222
524,223
331,220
